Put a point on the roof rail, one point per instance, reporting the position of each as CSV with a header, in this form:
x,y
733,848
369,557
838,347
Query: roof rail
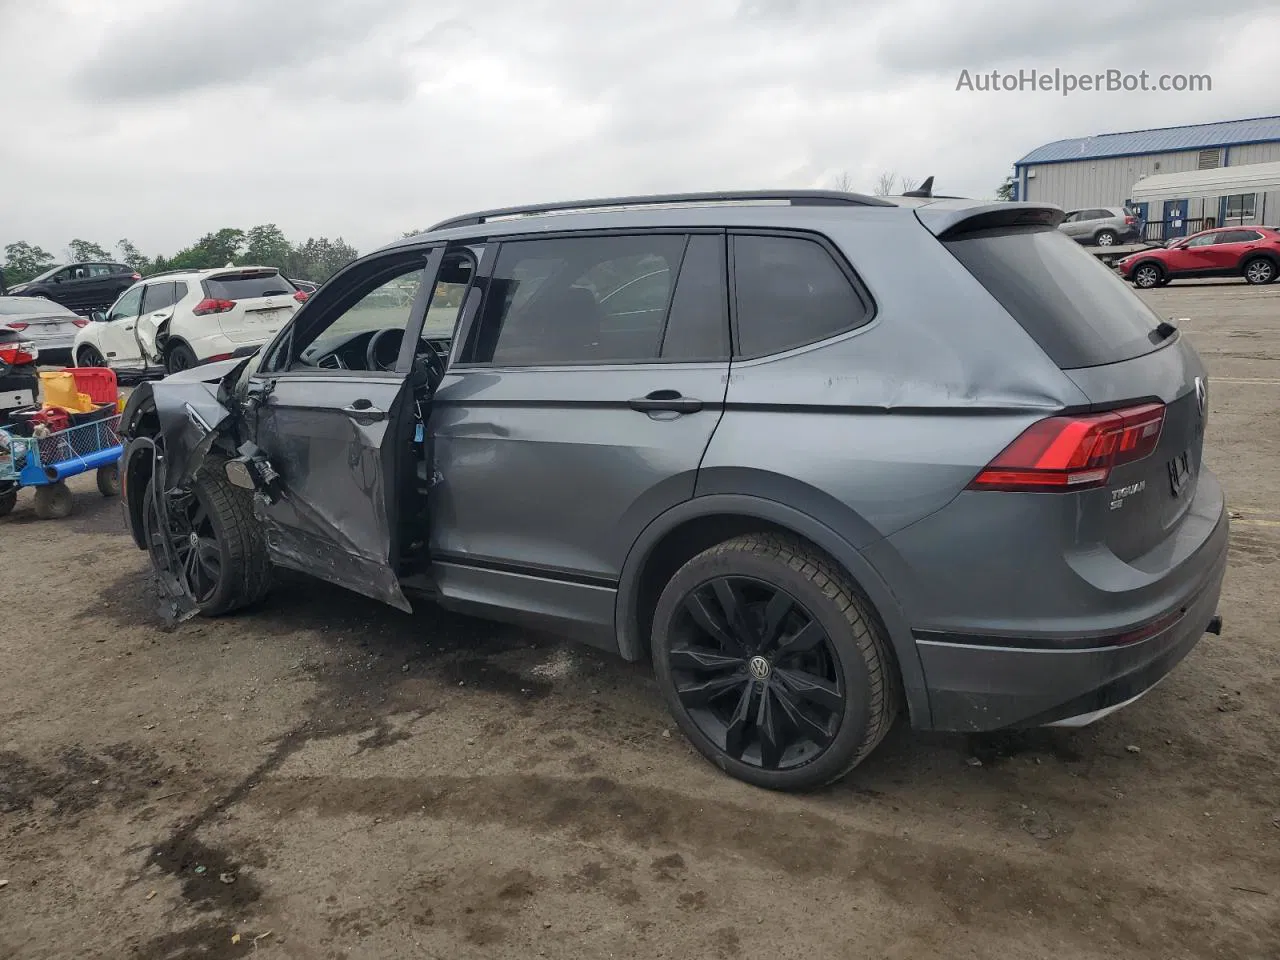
x,y
796,198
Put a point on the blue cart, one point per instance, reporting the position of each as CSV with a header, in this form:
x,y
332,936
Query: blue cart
x,y
44,460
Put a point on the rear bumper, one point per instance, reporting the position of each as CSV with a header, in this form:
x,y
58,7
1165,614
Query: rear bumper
x,y
976,684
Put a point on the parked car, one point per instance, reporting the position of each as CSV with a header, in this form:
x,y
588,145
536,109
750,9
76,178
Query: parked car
x,y
19,381
50,326
1249,252
1101,226
809,487
172,321
80,286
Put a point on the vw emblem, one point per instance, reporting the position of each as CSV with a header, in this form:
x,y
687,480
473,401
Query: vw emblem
x,y
1202,396
759,668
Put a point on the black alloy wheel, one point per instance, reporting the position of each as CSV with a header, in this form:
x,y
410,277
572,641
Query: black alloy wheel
x,y
757,673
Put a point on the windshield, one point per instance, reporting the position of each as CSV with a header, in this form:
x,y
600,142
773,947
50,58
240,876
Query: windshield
x,y
248,286
46,275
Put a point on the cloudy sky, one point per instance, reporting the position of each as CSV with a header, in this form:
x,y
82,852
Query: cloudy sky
x,y
158,120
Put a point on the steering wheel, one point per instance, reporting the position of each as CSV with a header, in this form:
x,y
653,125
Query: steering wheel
x,y
372,360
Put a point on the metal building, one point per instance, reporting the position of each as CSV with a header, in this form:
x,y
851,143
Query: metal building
x,y
1101,171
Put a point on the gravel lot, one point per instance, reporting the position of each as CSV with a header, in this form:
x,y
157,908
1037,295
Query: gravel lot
x,y
328,778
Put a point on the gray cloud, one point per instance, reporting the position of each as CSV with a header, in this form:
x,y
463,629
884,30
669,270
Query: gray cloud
x,y
207,43
329,117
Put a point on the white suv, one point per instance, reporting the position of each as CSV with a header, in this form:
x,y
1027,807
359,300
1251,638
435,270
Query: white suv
x,y
176,320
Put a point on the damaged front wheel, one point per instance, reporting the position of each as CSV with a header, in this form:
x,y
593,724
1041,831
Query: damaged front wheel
x,y
206,540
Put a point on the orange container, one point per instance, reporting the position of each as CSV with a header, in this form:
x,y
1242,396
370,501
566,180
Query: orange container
x,y
98,382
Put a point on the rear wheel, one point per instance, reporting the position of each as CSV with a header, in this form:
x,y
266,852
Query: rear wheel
x,y
1106,238
8,499
90,357
53,501
1148,275
179,357
771,664
210,542
1259,270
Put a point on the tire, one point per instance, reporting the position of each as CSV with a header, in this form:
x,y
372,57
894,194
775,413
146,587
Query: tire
x,y
8,499
1106,238
53,501
179,357
222,518
1147,275
851,706
109,480
90,357
1259,271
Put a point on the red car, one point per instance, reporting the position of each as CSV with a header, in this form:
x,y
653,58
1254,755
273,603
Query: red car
x,y
1249,252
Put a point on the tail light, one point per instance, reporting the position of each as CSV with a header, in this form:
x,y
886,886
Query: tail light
x,y
301,296
18,325
1063,454
210,305
80,322
137,276
19,354
1130,221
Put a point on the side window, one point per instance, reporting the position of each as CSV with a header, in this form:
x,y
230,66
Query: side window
x,y
698,327
98,270
128,305
1203,240
447,298
367,334
1100,215
157,296
578,300
1240,236
788,291
180,291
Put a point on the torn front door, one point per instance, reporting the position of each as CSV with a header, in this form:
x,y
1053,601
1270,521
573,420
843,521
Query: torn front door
x,y
330,437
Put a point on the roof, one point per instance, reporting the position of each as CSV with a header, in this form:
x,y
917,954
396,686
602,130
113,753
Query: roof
x,y
1249,178
1197,136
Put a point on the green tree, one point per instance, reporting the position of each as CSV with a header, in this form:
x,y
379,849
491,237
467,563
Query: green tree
x,y
265,245
133,257
1005,190
319,258
215,249
23,260
78,251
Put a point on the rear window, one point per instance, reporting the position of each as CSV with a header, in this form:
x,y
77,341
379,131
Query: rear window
x,y
1078,310
248,287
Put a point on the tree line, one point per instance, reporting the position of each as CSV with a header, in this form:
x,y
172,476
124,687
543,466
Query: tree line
x,y
315,259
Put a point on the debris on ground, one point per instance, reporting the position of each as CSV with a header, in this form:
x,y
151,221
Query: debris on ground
x,y
227,878
974,762
150,895
1133,748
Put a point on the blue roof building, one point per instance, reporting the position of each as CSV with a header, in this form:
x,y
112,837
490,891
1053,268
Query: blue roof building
x,y
1101,170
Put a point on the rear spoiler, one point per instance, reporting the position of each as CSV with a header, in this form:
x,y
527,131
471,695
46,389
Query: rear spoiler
x,y
946,221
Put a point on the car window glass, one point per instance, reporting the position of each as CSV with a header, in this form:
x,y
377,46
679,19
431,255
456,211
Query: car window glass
x,y
127,306
157,296
789,292
1203,240
698,327
344,342
447,297
578,300
1240,236
248,286
99,270
180,291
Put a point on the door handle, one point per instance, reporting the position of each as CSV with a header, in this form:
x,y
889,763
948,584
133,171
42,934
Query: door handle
x,y
665,400
364,410
128,326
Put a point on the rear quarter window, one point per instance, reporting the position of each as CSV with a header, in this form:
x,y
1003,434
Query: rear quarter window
x,y
1077,309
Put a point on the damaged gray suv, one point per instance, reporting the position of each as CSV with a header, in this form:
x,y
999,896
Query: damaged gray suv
x,y
824,458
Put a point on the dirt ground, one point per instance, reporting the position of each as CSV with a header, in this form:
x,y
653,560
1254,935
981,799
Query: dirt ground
x,y
329,778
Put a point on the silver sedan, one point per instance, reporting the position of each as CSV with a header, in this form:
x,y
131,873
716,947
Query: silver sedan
x,y
50,326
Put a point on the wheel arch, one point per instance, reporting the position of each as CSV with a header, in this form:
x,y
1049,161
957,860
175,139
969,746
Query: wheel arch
x,y
141,425
1253,255
690,527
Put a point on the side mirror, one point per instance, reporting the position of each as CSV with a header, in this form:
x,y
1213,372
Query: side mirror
x,y
97,316
58,279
